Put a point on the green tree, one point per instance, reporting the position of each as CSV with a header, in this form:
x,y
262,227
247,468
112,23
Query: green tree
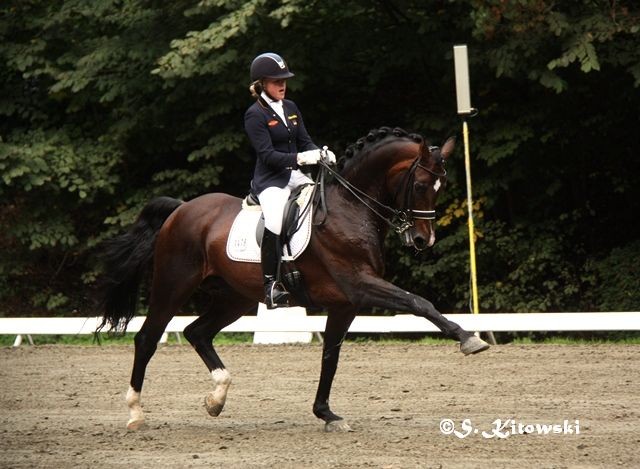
x,y
108,103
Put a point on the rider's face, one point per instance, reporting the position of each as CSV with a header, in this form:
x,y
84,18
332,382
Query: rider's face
x,y
275,88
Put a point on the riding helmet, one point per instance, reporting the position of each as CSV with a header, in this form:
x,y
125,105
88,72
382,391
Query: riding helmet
x,y
269,65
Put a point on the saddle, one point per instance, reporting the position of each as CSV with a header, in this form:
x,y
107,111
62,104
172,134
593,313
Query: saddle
x,y
292,217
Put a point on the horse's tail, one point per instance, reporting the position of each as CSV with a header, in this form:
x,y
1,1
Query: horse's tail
x,y
126,258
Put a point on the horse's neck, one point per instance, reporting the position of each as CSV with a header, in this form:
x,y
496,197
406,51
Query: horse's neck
x,y
352,222
371,175
371,179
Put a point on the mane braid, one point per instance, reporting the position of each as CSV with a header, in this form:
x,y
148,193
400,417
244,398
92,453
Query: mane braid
x,y
374,136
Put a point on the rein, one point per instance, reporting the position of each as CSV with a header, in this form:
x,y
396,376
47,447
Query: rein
x,y
401,220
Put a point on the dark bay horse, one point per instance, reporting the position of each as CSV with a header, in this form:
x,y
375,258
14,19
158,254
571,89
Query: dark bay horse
x,y
390,179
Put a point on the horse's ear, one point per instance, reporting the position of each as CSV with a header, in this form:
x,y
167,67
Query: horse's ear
x,y
447,148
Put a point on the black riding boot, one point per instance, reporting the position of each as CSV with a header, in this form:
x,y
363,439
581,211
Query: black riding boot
x,y
274,292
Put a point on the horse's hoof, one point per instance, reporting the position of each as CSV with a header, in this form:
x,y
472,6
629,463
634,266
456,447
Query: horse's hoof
x,y
337,426
212,405
472,345
135,424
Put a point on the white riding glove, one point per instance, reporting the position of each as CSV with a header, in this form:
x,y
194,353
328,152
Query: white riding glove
x,y
328,156
308,157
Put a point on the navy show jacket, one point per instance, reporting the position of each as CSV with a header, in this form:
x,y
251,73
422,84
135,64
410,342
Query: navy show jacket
x,y
276,144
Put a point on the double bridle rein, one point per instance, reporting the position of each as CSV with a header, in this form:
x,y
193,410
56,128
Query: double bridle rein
x,y
400,220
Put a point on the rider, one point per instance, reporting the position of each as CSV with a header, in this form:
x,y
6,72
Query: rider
x,y
281,142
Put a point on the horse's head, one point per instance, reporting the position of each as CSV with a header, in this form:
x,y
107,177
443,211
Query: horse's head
x,y
391,166
417,181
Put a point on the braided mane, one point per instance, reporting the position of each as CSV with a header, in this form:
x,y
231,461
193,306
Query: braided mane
x,y
364,144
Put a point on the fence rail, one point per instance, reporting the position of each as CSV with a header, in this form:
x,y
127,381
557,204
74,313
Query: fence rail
x,y
279,321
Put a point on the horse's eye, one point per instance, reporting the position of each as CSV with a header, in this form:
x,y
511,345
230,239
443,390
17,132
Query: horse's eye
x,y
420,187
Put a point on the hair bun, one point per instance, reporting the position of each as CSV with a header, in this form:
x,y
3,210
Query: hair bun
x,y
255,89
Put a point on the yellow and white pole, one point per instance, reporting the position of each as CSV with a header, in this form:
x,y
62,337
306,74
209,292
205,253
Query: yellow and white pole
x,y
463,96
472,243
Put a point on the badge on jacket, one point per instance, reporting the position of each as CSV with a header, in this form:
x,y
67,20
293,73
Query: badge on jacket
x,y
272,123
293,118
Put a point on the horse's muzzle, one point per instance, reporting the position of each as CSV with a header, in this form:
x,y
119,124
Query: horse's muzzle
x,y
417,240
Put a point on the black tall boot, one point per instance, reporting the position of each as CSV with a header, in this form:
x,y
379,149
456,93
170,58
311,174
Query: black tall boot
x,y
275,294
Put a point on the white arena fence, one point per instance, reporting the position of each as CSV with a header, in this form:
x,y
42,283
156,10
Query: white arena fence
x,y
287,325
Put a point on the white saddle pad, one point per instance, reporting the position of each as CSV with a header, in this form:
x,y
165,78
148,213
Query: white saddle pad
x,y
242,245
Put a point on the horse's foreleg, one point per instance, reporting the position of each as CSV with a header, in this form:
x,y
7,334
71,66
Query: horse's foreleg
x,y
373,291
338,323
200,333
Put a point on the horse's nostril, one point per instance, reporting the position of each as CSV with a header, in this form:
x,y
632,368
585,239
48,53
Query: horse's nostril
x,y
419,243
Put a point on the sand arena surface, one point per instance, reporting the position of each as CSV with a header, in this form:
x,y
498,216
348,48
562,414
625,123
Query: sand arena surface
x,y
63,406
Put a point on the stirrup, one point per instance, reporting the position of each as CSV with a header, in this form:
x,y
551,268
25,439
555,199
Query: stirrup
x,y
277,296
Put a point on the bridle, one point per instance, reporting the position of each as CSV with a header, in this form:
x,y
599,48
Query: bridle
x,y
401,219
410,175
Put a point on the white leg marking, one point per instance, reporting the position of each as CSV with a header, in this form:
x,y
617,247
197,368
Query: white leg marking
x,y
221,382
214,402
136,417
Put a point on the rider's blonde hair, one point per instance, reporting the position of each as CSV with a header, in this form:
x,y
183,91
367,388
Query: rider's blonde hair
x,y
256,88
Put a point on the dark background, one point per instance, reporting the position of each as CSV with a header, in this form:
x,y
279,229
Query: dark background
x,y
106,104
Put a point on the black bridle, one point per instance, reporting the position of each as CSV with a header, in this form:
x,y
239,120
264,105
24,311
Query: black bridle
x,y
400,220
410,176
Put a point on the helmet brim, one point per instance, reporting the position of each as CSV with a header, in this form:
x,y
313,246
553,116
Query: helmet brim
x,y
280,76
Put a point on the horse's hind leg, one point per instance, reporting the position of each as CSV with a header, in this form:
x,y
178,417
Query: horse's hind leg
x,y
224,308
171,288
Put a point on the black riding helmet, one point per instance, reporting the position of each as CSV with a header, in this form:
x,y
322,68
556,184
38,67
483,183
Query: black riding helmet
x,y
269,65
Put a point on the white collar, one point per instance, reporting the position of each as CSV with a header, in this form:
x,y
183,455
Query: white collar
x,y
269,100
277,106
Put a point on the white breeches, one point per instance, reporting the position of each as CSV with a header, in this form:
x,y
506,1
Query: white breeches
x,y
273,200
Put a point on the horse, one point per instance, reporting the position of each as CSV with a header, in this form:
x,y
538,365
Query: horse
x,y
389,179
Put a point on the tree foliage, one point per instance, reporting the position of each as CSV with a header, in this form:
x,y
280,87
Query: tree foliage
x,y
107,103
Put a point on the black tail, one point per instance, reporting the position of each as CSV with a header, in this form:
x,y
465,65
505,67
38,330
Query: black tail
x,y
126,258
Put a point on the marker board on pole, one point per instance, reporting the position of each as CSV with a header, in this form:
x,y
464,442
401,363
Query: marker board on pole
x,y
463,93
